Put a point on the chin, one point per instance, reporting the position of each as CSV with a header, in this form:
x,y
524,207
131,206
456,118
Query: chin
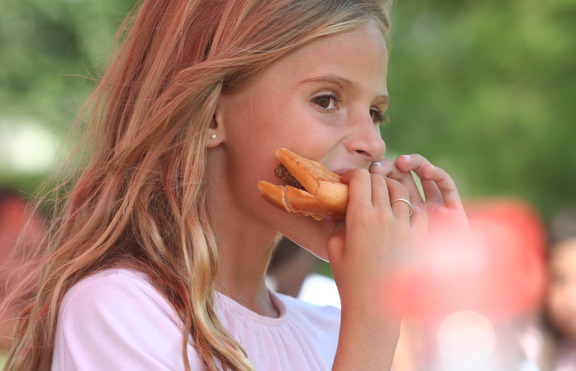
x,y
309,234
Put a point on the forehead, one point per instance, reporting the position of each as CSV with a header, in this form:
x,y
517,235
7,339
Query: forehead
x,y
356,55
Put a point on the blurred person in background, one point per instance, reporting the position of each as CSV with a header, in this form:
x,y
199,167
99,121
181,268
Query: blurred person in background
x,y
560,302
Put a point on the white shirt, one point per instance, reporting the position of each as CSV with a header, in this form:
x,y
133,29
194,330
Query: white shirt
x,y
116,320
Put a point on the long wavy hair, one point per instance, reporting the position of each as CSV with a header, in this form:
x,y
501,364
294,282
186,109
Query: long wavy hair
x,y
139,199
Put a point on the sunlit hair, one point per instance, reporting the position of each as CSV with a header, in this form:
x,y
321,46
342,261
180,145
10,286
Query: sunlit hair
x,y
140,201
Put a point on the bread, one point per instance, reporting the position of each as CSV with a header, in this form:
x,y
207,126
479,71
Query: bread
x,y
323,194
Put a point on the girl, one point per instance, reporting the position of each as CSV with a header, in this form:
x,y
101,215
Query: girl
x,y
158,258
559,307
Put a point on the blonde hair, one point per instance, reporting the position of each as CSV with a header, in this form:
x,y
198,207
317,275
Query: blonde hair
x,y
141,199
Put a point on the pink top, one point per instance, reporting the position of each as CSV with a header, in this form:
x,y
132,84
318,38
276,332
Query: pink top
x,y
116,320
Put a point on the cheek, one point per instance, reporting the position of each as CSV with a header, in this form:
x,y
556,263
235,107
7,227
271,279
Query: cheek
x,y
257,130
556,303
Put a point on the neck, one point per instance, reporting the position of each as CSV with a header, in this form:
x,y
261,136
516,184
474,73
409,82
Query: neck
x,y
245,249
241,276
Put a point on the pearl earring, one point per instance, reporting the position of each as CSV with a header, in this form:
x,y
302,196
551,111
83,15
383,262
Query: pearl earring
x,y
213,136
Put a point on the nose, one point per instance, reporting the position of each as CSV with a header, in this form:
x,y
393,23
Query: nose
x,y
367,140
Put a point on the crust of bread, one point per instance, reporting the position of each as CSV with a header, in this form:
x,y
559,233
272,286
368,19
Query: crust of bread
x,y
324,194
308,172
274,194
303,203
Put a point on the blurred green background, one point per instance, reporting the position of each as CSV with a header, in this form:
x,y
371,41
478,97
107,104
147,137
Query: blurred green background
x,y
484,89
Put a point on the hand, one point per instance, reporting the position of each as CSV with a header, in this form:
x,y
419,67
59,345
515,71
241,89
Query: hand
x,y
378,234
364,248
441,231
440,202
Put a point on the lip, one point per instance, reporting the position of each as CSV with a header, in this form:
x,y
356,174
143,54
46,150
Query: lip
x,y
342,166
341,171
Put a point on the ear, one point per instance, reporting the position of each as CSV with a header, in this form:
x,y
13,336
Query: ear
x,y
216,132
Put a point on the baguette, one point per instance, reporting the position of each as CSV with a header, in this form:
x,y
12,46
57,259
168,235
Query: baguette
x,y
310,190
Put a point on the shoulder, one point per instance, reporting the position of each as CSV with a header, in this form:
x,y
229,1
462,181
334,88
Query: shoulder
x,y
121,277
116,298
117,317
119,283
114,290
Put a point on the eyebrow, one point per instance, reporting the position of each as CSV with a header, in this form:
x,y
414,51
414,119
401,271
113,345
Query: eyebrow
x,y
342,82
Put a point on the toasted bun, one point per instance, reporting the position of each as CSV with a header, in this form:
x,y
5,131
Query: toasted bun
x,y
323,195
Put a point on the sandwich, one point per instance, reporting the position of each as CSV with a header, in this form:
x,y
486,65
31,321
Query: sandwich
x,y
309,190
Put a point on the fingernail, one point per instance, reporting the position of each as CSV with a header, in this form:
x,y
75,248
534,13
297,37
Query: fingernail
x,y
406,157
377,163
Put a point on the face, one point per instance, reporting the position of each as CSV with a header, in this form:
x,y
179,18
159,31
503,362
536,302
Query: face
x,y
561,301
324,101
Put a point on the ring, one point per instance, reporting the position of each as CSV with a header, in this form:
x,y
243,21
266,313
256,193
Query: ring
x,y
406,202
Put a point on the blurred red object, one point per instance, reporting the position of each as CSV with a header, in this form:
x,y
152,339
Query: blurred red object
x,y
497,268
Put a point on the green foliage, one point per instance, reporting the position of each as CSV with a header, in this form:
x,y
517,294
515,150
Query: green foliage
x,y
484,89
48,50
51,52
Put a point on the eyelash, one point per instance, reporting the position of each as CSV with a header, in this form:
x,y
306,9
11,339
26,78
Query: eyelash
x,y
378,117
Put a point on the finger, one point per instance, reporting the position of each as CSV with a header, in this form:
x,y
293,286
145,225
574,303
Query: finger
x,y
437,185
445,184
413,162
360,188
389,169
399,198
407,205
383,167
419,221
336,242
380,197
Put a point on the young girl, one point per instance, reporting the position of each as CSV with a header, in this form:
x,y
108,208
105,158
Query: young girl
x,y
157,260
559,307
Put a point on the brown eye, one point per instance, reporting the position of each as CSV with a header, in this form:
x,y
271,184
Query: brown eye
x,y
326,102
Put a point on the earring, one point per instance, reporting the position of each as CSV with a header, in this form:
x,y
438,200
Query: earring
x,y
213,136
